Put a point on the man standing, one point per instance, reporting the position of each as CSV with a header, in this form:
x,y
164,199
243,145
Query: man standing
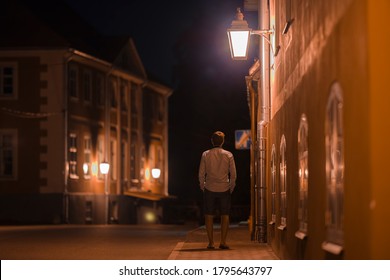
x,y
217,179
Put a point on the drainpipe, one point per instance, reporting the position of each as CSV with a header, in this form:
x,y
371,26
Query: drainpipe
x,y
264,99
253,113
67,58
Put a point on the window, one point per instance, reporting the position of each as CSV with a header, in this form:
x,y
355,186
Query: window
x,y
123,94
87,86
99,90
160,108
273,186
133,163
160,162
87,157
73,156
8,156
73,81
100,156
113,159
8,80
303,174
283,184
334,149
112,94
123,166
134,107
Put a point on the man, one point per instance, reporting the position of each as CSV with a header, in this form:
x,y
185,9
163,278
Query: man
x,y
217,179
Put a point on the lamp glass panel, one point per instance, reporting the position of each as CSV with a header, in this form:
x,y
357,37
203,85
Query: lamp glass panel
x,y
239,43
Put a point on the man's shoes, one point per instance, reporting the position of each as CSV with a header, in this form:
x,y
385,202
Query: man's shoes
x,y
210,247
224,247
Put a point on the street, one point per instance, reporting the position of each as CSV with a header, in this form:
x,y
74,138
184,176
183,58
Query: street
x,y
92,242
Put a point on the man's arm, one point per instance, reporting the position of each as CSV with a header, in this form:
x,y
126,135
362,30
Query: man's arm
x,y
202,172
233,173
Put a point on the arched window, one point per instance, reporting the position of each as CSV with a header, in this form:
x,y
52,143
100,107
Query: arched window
x,y
303,174
334,148
273,185
283,184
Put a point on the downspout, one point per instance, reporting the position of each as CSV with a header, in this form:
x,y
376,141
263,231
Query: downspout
x,y
66,113
264,99
252,110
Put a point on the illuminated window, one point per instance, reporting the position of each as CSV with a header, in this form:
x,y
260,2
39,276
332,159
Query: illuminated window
x,y
73,81
303,174
334,149
273,185
87,157
283,184
8,80
73,156
8,149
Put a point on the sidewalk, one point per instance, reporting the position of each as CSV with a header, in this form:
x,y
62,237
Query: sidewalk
x,y
241,247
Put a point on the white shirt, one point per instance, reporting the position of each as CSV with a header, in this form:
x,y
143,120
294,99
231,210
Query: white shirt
x,y
217,170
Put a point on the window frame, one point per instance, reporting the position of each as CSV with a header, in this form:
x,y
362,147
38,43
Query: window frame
x,y
14,153
87,87
73,160
334,170
273,185
283,184
303,175
14,77
73,82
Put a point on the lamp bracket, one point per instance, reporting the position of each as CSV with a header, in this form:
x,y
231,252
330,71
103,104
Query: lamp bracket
x,y
261,32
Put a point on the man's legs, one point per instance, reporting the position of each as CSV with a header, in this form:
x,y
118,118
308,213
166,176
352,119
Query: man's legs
x,y
225,210
209,221
224,230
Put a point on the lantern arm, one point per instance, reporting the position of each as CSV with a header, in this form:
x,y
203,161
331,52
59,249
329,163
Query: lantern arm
x,y
263,34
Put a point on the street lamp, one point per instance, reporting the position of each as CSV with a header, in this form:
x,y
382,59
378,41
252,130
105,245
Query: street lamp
x,y
239,36
156,172
104,167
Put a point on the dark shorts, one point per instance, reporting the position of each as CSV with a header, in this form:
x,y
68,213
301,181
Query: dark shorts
x,y
214,201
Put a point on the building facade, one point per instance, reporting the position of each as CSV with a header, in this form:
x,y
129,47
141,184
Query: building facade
x,y
320,188
65,109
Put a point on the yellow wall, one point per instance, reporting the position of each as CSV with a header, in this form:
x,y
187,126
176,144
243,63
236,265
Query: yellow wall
x,y
379,78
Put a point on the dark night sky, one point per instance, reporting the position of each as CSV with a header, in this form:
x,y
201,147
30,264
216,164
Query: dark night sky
x,y
155,25
184,45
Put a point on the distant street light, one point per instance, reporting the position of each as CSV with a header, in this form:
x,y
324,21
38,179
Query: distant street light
x,y
104,168
156,172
